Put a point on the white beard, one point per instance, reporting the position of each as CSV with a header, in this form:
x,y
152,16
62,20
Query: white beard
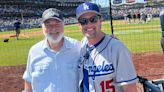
x,y
54,40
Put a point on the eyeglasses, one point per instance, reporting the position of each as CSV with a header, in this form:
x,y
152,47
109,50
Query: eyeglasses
x,y
84,21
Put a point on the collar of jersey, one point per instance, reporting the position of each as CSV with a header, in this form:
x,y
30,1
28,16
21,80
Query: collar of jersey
x,y
90,48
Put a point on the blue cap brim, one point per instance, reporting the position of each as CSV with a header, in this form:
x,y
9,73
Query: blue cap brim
x,y
88,11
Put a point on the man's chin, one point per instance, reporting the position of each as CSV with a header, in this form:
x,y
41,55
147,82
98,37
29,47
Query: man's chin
x,y
54,41
89,36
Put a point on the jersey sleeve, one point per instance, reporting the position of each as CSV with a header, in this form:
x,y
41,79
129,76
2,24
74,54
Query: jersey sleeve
x,y
125,71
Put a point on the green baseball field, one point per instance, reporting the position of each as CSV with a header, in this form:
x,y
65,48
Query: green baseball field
x,y
139,38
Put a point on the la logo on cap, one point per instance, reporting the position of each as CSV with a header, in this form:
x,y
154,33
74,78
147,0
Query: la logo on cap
x,y
86,7
51,13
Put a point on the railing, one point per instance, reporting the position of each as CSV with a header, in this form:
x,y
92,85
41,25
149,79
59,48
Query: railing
x,y
152,86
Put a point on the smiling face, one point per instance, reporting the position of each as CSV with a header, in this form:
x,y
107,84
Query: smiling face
x,y
53,30
90,25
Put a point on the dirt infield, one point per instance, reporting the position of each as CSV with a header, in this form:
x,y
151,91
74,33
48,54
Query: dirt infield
x,y
149,65
11,78
23,34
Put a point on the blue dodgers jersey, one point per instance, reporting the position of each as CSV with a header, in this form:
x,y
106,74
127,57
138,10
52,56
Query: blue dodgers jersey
x,y
107,66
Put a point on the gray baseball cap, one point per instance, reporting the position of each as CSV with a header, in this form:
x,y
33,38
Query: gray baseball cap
x,y
52,13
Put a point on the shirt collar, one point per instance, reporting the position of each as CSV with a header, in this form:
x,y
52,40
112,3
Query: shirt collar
x,y
45,44
66,44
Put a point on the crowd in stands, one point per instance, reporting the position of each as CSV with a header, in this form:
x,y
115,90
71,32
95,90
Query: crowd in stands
x,y
33,19
120,14
35,11
7,23
20,10
28,16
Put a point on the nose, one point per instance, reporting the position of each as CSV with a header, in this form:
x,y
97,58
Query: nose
x,y
89,24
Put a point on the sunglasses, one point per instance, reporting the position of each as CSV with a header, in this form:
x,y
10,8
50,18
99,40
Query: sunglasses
x,y
85,21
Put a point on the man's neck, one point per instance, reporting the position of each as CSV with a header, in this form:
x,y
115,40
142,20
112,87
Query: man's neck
x,y
93,41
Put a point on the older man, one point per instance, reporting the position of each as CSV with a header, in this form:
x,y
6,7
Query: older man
x,y
52,64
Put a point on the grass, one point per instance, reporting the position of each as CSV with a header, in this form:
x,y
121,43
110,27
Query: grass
x,y
139,38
